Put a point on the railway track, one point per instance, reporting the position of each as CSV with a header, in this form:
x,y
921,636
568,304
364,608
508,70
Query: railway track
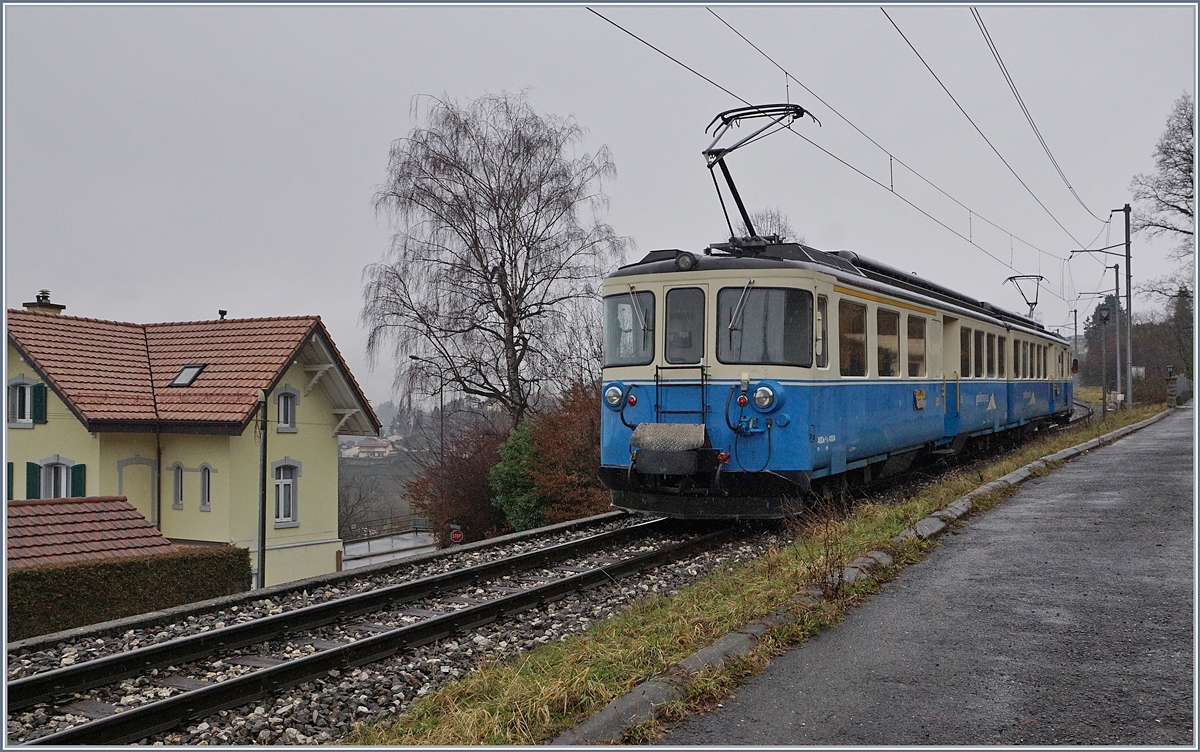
x,y
256,658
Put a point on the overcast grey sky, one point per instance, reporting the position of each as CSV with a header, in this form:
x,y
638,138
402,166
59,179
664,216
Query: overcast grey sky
x,y
162,162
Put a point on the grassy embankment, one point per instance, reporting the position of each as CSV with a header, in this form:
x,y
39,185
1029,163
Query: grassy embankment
x,y
530,699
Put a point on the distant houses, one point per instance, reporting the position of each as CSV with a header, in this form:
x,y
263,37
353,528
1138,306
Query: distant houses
x,y
166,415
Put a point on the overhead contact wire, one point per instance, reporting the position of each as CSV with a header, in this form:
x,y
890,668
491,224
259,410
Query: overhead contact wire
x,y
879,146
1028,116
827,152
979,130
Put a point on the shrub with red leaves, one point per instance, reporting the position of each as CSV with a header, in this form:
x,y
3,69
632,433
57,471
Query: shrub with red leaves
x,y
566,441
461,495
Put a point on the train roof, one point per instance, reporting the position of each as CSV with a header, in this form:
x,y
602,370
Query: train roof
x,y
849,266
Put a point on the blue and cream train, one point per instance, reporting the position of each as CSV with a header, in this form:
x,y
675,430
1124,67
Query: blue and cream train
x,y
737,379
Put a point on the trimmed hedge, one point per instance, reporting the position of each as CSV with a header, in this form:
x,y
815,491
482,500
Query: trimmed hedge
x,y
51,598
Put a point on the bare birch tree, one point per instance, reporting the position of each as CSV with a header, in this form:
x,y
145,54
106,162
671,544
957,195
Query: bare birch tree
x,y
500,227
1166,199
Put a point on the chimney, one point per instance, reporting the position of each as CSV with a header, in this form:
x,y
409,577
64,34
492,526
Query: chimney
x,y
44,305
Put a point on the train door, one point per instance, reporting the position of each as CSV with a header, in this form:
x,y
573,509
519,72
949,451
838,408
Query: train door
x,y
1051,374
681,384
823,433
951,356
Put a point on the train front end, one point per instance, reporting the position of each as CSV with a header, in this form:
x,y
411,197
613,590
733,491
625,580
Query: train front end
x,y
705,411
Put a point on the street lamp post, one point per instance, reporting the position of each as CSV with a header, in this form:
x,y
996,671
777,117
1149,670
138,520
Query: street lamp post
x,y
441,427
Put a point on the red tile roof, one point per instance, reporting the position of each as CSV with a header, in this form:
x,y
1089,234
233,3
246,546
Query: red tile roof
x,y
113,374
59,531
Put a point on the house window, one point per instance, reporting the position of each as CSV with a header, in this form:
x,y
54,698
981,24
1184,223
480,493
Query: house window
x,y
177,489
26,403
287,475
55,478
56,481
205,488
286,399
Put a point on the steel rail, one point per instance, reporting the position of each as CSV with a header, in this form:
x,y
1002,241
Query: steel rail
x,y
46,685
138,723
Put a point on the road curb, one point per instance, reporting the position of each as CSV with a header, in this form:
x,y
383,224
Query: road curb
x,y
610,724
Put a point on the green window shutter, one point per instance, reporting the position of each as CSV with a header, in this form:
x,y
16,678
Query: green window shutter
x,y
39,403
78,481
33,480
10,480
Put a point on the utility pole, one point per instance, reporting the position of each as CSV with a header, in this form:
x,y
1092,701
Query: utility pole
x,y
1128,302
1075,346
1128,311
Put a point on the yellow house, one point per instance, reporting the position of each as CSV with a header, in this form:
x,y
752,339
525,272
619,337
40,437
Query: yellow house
x,y
168,415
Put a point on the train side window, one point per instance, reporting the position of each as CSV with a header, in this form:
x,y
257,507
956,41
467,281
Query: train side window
x,y
916,346
1001,343
964,352
887,341
1024,360
1041,361
991,356
852,338
822,331
765,325
685,325
978,354
629,329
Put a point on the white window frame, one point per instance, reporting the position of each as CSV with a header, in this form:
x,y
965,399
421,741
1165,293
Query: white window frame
x,y
292,484
18,386
60,471
206,472
177,476
290,396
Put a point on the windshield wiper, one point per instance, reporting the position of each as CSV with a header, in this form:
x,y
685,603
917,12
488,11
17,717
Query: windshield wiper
x,y
737,311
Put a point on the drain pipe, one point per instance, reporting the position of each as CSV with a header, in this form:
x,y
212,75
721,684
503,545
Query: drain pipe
x,y
262,488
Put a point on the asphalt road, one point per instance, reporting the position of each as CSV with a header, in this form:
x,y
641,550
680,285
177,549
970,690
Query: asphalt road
x,y
1062,616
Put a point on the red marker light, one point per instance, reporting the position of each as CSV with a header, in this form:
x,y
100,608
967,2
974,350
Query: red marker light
x,y
723,457
632,400
742,401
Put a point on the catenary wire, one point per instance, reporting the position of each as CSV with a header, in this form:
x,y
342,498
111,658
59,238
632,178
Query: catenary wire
x,y
825,151
1028,116
882,148
979,130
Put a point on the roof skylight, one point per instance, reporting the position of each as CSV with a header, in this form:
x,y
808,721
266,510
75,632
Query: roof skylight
x,y
188,374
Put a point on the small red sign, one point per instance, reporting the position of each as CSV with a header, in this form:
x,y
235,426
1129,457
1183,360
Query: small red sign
x,y
456,536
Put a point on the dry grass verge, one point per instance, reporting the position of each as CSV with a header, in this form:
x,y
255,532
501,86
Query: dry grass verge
x,y
541,693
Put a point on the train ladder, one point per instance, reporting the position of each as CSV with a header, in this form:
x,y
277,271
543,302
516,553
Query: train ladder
x,y
662,385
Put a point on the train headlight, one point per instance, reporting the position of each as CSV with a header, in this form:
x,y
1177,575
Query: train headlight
x,y
764,397
612,396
